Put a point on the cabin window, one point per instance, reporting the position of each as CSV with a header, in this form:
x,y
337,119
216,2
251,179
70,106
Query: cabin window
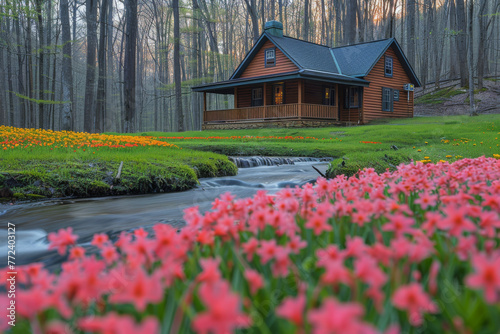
x,y
387,98
257,98
354,97
329,96
270,57
388,66
279,94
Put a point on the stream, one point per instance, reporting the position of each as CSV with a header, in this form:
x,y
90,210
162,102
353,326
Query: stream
x,y
111,215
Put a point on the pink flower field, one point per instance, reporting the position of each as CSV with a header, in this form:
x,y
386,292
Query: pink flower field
x,y
413,251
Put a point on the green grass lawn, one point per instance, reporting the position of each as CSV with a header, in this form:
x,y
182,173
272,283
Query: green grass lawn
x,y
435,137
44,172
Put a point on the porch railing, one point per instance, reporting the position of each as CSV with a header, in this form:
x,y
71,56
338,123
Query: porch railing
x,y
294,111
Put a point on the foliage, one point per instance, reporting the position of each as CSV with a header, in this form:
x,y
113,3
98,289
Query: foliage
x,y
411,251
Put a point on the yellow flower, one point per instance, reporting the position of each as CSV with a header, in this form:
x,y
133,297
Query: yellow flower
x,y
427,158
449,156
419,150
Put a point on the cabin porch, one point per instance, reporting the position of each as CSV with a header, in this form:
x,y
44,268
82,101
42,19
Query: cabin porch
x,y
288,100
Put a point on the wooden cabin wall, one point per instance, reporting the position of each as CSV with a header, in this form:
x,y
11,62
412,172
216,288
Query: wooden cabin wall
x,y
291,91
313,92
346,114
372,99
257,68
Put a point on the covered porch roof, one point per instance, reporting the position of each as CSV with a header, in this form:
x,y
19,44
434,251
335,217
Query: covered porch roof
x,y
227,87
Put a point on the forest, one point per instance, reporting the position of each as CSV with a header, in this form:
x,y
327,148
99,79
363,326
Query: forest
x,y
129,65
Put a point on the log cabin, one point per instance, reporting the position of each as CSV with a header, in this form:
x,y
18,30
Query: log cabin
x,y
283,81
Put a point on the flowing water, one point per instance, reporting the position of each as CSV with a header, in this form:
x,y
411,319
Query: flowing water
x,y
112,215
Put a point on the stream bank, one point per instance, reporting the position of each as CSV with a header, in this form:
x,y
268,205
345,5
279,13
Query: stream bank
x,y
111,215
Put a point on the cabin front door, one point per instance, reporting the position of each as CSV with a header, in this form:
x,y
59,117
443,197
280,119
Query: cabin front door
x,y
278,93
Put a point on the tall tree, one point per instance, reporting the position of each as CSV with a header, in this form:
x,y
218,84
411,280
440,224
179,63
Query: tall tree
x,y
101,59
470,35
129,72
67,68
462,42
177,66
350,22
254,16
305,31
89,108
41,74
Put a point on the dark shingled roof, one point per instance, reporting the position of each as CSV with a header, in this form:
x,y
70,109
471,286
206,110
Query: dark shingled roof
x,y
308,56
357,60
346,64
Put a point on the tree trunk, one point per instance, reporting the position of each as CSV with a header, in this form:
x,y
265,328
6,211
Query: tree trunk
x,y
67,69
129,72
101,59
454,63
41,79
462,42
350,22
20,83
306,20
481,52
177,66
470,33
89,108
252,10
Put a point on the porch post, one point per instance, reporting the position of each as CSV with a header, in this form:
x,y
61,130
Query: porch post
x,y
300,98
264,93
235,97
204,106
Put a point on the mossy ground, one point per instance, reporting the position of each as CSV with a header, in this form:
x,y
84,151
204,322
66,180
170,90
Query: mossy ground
x,y
38,172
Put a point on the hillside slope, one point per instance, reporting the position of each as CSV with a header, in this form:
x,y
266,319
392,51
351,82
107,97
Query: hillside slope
x,y
454,100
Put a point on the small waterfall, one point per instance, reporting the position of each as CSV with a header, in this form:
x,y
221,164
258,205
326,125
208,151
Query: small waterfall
x,y
257,161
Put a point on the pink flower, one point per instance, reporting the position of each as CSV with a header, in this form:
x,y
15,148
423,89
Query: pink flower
x,y
109,254
76,253
140,290
250,247
223,313
267,250
433,273
455,221
431,221
254,279
296,244
399,224
57,327
210,273
113,323
62,239
426,200
99,240
318,223
415,301
486,276
335,317
292,309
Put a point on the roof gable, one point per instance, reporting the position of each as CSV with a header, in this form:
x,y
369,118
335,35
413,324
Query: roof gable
x,y
252,53
359,59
